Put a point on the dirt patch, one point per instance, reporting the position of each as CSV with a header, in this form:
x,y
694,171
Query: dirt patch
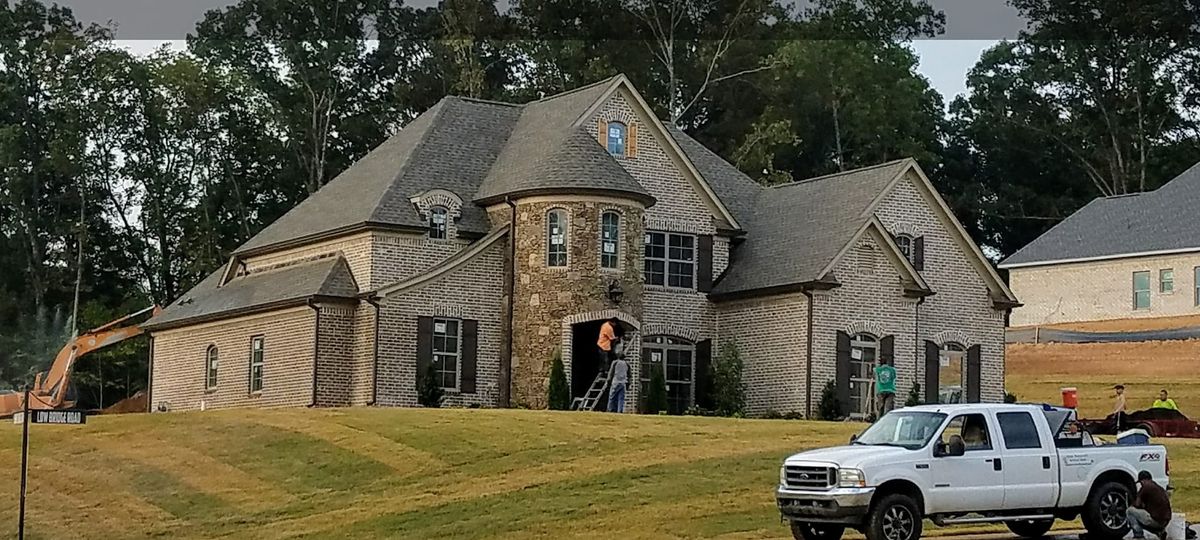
x,y
1123,325
1153,359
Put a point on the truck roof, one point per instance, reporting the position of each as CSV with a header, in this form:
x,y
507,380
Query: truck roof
x,y
962,407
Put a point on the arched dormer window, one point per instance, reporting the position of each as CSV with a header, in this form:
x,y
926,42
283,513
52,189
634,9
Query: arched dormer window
x,y
211,359
438,216
617,138
556,238
905,243
610,240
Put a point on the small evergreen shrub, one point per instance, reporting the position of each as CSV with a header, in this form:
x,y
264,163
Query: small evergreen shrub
x,y
560,391
729,392
830,407
655,401
1010,397
914,396
772,414
429,392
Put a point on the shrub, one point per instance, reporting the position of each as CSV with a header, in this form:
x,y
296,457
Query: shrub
x,y
696,410
772,414
793,415
729,393
429,392
914,396
560,392
1010,397
830,407
655,400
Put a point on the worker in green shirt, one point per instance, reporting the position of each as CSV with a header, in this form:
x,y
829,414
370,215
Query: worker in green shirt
x,y
1164,402
885,386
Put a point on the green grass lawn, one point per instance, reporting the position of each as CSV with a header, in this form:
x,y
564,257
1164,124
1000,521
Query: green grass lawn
x,y
409,473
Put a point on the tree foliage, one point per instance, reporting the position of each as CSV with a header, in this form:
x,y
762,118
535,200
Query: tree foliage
x,y
830,407
729,391
560,390
655,400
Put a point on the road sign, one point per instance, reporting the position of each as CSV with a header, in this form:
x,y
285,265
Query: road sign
x,y
68,416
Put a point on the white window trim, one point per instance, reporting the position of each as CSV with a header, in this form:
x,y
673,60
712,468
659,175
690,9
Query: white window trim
x,y
433,353
262,363
445,224
911,240
1148,290
666,259
690,347
211,368
864,341
624,135
566,227
617,253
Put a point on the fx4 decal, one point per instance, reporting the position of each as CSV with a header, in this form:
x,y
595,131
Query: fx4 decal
x,y
1151,456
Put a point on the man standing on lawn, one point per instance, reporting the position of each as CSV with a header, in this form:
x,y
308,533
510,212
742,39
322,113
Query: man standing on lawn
x,y
885,386
1151,509
618,377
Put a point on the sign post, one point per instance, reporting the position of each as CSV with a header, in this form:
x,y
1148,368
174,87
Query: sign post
x,y
24,462
69,417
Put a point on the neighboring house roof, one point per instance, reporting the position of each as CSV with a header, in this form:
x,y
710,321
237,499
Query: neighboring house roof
x,y
286,286
1151,223
823,215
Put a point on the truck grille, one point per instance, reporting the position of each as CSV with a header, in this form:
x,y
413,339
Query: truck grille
x,y
798,476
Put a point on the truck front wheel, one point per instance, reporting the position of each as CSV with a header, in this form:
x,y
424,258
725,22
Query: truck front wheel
x,y
816,531
1030,529
1104,513
894,517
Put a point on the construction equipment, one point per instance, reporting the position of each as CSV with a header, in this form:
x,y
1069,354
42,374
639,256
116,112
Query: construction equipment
x,y
592,397
50,387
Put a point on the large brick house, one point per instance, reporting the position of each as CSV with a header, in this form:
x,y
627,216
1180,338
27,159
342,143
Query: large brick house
x,y
485,237
1125,257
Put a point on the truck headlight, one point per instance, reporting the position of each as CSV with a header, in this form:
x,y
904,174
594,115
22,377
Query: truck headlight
x,y
783,476
851,478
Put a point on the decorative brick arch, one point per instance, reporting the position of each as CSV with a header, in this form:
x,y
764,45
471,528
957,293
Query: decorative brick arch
x,y
866,327
624,116
438,197
633,346
673,330
904,227
601,315
953,336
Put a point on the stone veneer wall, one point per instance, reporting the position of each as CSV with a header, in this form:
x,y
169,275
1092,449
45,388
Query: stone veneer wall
x,y
961,309
178,374
545,296
473,291
1102,290
771,335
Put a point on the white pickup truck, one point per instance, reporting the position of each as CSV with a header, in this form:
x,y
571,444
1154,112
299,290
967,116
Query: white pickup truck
x,y
957,464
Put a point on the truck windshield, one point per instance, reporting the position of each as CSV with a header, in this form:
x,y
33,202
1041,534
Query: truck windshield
x,y
909,429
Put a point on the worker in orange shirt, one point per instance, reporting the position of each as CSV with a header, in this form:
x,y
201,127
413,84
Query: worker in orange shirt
x,y
609,341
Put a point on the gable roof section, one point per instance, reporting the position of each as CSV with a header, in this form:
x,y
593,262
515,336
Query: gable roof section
x,y
451,146
1153,223
547,150
799,230
291,285
738,191
444,268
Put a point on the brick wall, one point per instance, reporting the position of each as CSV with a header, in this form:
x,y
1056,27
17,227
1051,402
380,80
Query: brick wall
x,y
870,300
355,248
399,256
335,355
362,375
178,376
771,335
961,309
1102,290
473,291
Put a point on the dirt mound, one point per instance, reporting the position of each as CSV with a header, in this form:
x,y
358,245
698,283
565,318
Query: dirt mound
x,y
137,403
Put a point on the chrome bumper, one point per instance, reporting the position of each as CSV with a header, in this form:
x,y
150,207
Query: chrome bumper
x,y
838,505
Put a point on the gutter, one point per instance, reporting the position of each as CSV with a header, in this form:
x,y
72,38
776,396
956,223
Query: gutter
x,y
918,350
506,360
808,356
316,347
374,301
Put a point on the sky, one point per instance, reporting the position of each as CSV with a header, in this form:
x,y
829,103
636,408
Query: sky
x,y
971,27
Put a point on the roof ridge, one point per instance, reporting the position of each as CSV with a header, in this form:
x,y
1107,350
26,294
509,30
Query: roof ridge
x,y
437,111
340,260
487,101
841,173
578,89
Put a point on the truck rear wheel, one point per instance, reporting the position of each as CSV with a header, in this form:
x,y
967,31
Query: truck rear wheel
x,y
894,517
1104,512
1030,529
816,531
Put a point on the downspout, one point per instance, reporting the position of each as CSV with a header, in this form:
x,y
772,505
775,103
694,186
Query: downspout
x,y
808,356
316,347
918,350
506,360
150,378
375,354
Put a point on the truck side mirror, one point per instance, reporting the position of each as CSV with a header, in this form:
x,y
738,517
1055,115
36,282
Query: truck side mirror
x,y
853,438
954,448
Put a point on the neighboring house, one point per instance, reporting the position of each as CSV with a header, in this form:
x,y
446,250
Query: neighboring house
x,y
1123,257
484,237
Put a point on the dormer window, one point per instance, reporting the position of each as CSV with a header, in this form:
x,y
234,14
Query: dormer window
x,y
905,243
617,137
438,216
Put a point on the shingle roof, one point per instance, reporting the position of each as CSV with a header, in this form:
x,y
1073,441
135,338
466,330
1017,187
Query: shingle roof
x,y
797,229
1113,227
329,277
733,187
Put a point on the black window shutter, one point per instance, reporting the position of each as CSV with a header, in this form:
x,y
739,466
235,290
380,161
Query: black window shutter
x,y
704,396
918,249
704,273
887,350
470,345
424,345
932,367
843,371
974,362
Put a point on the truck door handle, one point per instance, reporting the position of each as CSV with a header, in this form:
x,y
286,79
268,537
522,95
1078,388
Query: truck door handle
x,y
1045,462
996,465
